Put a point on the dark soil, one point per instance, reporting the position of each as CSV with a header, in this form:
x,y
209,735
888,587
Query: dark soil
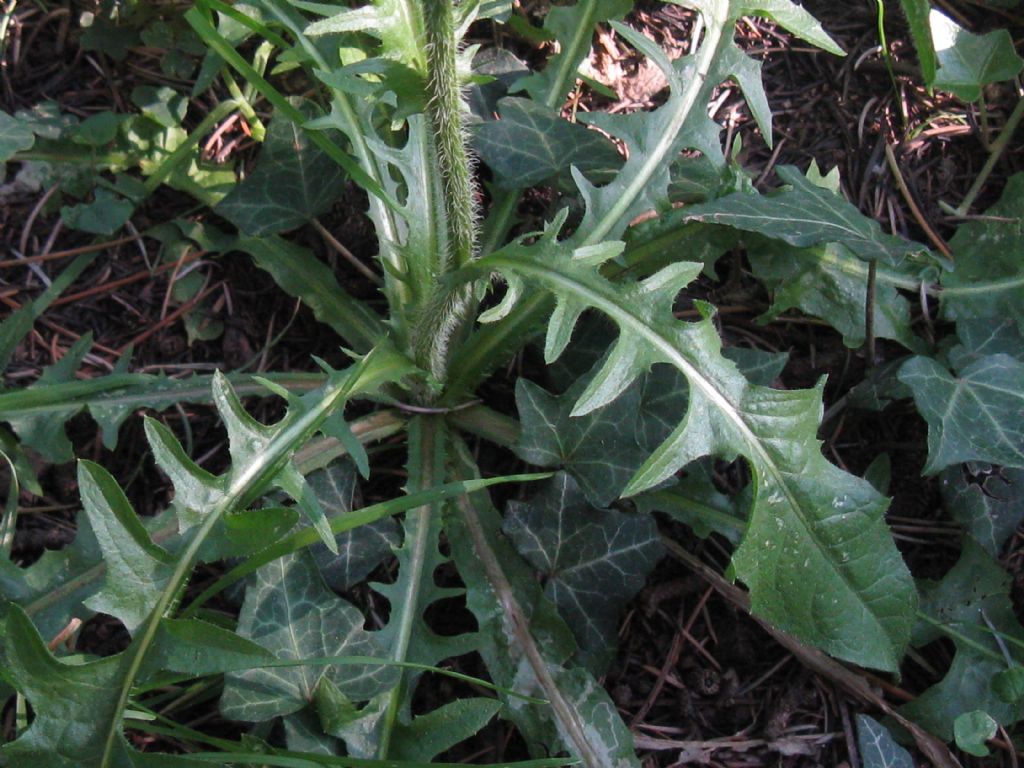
x,y
696,678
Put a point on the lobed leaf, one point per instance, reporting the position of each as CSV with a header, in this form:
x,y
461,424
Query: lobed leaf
x,y
808,517
289,611
976,415
73,703
593,561
805,214
293,182
137,569
967,61
878,749
969,604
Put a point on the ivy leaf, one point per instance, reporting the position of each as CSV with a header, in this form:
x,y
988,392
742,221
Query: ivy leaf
x,y
819,281
293,182
804,214
137,569
967,61
593,560
15,135
988,281
990,506
817,555
976,415
429,735
597,449
981,338
877,747
532,143
505,657
161,104
971,598
53,589
361,549
290,611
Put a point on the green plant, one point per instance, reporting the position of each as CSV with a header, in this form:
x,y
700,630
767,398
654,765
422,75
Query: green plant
x,y
665,397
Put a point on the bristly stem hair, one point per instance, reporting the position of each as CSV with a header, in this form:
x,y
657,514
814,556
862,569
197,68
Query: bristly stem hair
x,y
446,310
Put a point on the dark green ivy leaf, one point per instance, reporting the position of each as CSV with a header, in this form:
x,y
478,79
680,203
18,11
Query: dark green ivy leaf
x,y
878,749
593,561
532,143
293,182
975,415
972,600
989,506
598,449
988,281
967,61
289,611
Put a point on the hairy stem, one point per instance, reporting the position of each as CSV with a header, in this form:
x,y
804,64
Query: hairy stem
x,y
445,111
445,312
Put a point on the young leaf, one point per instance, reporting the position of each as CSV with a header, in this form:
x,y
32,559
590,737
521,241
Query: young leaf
x,y
289,611
293,182
973,416
972,729
969,600
877,747
593,560
15,135
967,61
809,517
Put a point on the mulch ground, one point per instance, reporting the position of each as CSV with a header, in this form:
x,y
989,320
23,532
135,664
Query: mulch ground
x,y
696,678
